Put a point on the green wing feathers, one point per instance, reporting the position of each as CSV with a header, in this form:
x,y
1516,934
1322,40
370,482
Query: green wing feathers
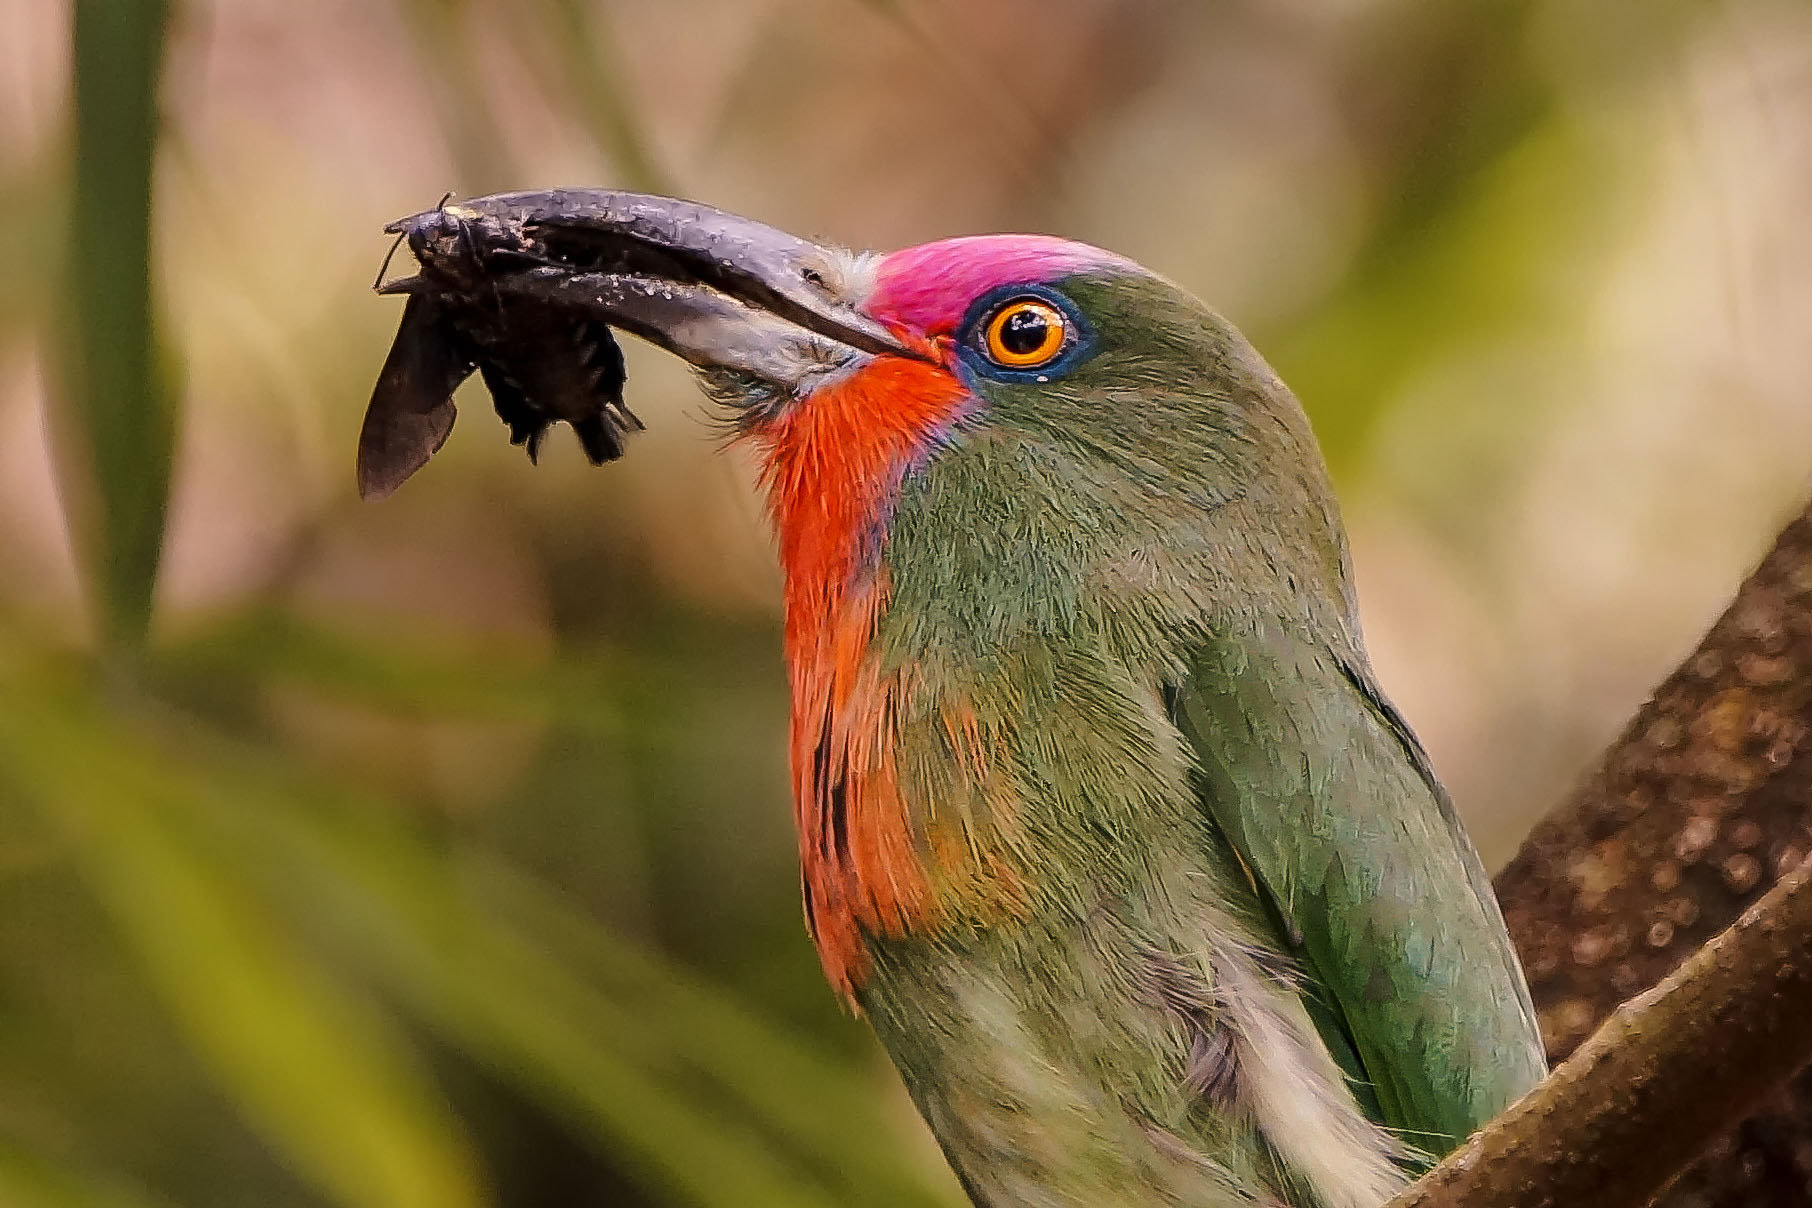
x,y
1327,796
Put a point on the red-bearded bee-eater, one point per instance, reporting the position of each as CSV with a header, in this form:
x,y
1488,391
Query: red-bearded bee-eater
x,y
1104,822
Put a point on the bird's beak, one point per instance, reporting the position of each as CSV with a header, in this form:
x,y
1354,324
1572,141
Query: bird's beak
x,y
722,291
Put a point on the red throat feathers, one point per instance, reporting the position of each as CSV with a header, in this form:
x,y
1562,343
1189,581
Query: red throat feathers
x,y
832,467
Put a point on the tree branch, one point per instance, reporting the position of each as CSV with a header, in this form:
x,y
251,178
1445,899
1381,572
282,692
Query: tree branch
x,y
1689,817
1638,1101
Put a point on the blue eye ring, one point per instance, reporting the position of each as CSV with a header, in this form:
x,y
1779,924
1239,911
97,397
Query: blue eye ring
x,y
986,313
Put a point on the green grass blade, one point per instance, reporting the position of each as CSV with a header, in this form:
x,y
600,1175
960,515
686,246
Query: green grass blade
x,y
413,676
815,1105
210,854
314,1069
29,1180
734,1116
119,409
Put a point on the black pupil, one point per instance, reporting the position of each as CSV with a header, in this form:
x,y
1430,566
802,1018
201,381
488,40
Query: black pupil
x,y
1025,331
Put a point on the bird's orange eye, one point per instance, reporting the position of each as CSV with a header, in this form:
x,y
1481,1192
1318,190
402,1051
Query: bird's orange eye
x,y
1025,333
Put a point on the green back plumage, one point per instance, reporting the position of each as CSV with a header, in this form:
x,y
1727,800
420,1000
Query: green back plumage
x,y
1324,792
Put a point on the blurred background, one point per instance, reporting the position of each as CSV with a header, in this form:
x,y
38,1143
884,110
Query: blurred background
x,y
436,853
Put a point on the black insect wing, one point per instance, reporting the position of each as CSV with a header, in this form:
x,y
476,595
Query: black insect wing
x,y
411,408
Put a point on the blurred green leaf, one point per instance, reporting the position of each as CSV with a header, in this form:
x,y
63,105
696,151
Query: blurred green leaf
x,y
416,676
119,404
1494,193
28,1180
1485,266
316,1069
649,1086
203,849
710,1103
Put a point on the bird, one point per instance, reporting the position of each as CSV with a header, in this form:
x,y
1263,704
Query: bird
x,y
1105,823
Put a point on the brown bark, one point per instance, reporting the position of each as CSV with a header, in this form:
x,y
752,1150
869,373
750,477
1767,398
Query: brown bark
x,y
1692,815
1633,1105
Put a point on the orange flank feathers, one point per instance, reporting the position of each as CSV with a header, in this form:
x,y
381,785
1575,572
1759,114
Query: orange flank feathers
x,y
832,465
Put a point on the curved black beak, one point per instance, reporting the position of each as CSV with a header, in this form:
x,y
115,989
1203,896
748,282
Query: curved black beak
x,y
715,288
526,288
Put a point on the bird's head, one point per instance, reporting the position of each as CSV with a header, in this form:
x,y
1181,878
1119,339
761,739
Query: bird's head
x,y
1040,403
